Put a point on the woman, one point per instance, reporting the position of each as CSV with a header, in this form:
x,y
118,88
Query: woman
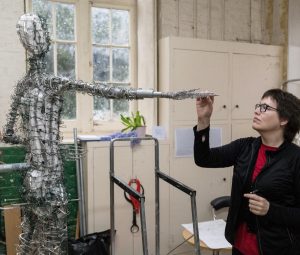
x,y
264,216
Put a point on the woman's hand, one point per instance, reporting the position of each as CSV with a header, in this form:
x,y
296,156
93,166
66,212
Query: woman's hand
x,y
204,108
257,204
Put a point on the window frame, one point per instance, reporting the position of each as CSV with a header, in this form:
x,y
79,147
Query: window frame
x,y
84,64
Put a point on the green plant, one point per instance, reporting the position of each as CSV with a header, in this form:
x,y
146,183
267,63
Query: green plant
x,y
131,123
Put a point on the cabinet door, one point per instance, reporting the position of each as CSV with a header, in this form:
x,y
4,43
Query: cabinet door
x,y
241,129
206,70
252,76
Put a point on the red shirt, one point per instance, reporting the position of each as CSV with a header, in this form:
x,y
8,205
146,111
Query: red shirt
x,y
245,241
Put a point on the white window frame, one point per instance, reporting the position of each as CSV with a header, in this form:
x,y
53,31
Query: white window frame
x,y
84,64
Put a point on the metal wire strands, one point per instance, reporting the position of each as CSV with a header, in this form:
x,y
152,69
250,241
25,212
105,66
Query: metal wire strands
x,y
70,152
34,120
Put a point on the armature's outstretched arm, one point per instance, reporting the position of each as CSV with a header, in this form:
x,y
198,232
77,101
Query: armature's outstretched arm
x,y
114,92
8,130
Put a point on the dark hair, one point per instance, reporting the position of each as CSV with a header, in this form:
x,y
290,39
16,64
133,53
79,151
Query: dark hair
x,y
288,107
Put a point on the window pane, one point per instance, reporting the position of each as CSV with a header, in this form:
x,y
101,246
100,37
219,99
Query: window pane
x,y
101,64
101,108
66,67
43,9
120,65
120,106
100,25
69,105
65,22
66,60
49,61
120,27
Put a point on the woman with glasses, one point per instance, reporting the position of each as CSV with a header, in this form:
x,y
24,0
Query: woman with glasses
x,y
264,216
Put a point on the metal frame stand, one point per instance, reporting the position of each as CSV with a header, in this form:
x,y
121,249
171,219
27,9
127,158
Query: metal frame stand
x,y
123,185
141,198
183,188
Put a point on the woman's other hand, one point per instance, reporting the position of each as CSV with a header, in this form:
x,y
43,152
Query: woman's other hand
x,y
257,204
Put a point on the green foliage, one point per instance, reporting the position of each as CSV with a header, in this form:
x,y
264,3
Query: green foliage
x,y
131,123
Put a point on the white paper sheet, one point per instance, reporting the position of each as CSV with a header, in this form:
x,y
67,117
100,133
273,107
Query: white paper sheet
x,y
211,233
184,140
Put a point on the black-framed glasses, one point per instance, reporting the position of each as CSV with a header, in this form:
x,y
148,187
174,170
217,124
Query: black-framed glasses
x,y
264,107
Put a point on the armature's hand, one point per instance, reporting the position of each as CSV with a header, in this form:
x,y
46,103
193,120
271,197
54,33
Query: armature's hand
x,y
193,93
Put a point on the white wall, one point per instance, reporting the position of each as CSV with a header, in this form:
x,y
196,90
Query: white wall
x,y
293,66
12,54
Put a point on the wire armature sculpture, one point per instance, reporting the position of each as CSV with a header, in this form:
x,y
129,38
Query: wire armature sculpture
x,y
38,101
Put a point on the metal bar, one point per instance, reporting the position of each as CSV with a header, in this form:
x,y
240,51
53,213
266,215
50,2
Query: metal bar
x,y
82,198
112,200
13,167
143,227
195,223
175,183
157,201
114,180
80,192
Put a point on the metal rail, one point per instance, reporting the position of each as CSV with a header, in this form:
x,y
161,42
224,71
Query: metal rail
x,y
123,185
80,187
158,175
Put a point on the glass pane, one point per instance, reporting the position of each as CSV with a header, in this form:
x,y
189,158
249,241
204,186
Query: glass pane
x,y
49,61
66,60
120,27
120,65
120,106
66,67
43,9
65,21
101,64
69,105
100,25
101,108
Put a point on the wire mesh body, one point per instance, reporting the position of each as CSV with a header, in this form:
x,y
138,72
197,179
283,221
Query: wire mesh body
x,y
37,102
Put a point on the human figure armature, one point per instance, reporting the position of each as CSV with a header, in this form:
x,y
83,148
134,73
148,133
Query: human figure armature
x,y
38,100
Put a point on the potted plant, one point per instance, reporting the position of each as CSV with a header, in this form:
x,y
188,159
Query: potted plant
x,y
134,122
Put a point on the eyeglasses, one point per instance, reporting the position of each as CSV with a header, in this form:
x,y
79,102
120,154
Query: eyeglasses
x,y
264,107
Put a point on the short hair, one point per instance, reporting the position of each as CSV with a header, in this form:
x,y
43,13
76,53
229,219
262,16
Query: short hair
x,y
288,107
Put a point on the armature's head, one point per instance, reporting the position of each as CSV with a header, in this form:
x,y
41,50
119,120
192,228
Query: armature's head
x,y
33,34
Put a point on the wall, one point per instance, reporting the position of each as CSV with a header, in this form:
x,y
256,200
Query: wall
x,y
255,21
294,47
12,54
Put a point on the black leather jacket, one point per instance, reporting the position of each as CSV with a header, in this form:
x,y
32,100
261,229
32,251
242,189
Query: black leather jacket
x,y
278,232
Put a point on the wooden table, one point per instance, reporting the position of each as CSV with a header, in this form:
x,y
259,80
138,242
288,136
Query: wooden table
x,y
186,235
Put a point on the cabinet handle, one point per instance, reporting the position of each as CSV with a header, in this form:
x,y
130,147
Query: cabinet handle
x,y
224,106
224,179
237,106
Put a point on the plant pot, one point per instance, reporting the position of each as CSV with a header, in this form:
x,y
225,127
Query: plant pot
x,y
141,131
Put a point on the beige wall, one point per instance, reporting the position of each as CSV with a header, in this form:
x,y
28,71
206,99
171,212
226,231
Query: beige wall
x,y
12,54
254,21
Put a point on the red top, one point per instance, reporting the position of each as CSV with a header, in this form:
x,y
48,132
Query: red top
x,y
245,241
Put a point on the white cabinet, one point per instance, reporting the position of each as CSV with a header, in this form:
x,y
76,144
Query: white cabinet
x,y
239,73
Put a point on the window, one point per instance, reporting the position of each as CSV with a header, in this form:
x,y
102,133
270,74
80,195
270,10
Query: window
x,y
91,41
111,57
